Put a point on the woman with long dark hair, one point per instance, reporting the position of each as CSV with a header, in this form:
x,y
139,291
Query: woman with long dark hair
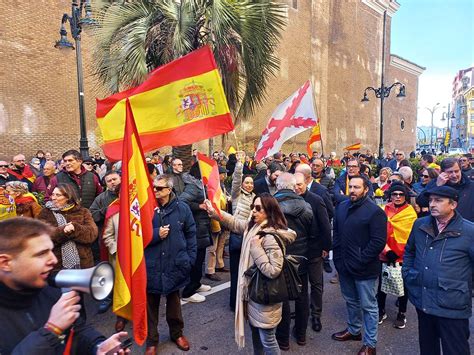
x,y
260,248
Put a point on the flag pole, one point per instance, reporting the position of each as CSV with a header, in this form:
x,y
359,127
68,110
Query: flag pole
x,y
202,182
236,141
320,131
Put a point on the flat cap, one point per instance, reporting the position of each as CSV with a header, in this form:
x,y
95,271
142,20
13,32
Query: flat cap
x,y
444,191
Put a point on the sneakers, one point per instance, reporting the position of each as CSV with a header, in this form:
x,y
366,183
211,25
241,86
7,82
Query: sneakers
x,y
401,321
195,298
204,288
382,317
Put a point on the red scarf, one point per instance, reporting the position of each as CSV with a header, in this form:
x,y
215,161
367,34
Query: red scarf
x,y
25,174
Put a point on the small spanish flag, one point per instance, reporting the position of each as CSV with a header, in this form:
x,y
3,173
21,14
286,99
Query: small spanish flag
x,y
355,146
210,178
314,137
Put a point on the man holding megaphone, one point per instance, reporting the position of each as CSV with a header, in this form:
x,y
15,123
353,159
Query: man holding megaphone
x,y
34,317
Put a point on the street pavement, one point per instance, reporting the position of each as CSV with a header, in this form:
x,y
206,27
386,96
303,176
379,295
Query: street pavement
x,y
209,327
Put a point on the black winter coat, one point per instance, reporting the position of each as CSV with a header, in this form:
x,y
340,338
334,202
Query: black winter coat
x,y
193,195
22,319
320,238
323,192
169,261
299,215
360,234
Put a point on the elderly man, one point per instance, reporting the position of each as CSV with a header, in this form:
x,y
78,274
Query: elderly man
x,y
319,174
85,183
4,175
268,182
177,174
42,182
360,232
21,171
319,244
169,258
395,163
299,215
437,269
466,166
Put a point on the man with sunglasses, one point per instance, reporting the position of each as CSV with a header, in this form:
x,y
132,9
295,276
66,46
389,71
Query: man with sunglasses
x,y
4,175
395,163
169,258
466,166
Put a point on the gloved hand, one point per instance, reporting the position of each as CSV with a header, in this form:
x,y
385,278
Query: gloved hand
x,y
391,257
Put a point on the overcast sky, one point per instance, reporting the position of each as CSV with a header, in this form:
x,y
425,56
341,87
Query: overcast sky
x,y
438,35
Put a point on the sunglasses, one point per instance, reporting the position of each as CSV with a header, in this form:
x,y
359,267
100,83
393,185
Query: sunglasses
x,y
160,188
425,176
397,194
257,208
87,163
392,181
3,166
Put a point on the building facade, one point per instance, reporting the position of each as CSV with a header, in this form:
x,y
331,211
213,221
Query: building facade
x,y
335,44
462,124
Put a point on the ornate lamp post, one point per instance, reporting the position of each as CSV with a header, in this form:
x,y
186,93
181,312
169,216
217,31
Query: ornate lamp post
x,y
383,91
77,22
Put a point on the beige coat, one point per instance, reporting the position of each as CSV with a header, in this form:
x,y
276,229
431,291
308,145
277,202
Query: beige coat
x,y
267,255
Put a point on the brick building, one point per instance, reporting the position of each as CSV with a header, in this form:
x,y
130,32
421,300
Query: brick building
x,y
336,44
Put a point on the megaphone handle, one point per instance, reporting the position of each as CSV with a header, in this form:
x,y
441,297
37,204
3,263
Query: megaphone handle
x,y
65,289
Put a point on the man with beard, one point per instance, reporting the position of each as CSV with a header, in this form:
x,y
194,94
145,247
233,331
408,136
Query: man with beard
x,y
267,183
452,176
360,232
21,171
85,183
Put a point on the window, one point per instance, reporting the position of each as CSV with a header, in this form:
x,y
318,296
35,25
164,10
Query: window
x,y
295,4
402,124
472,117
471,101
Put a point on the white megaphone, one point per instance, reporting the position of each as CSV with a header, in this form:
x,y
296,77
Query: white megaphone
x,y
98,281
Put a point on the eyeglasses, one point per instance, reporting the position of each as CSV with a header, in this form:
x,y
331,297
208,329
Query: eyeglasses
x,y
425,176
160,188
257,208
394,180
463,160
87,163
397,194
3,166
352,166
398,154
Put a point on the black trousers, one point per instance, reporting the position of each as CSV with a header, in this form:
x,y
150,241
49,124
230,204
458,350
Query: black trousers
x,y
174,318
234,273
315,274
301,315
195,274
453,333
382,297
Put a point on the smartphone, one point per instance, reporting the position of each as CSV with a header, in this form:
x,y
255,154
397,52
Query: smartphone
x,y
127,343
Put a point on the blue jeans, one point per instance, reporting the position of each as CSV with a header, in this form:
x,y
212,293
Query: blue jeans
x,y
264,341
361,303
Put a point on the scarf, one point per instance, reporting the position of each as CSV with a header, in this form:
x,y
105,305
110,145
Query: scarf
x,y
242,285
69,253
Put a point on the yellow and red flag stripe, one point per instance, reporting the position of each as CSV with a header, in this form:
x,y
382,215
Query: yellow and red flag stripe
x,y
355,146
314,137
210,178
180,103
137,204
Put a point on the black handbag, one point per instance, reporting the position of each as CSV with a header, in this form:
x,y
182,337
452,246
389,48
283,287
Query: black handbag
x,y
285,287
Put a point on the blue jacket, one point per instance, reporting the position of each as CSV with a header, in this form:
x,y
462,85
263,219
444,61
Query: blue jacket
x,y
392,164
360,234
437,268
339,189
169,261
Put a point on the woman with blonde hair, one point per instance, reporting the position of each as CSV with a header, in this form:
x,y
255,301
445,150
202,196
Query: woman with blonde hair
x,y
26,203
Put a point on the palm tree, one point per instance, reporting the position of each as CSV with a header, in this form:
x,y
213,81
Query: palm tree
x,y
136,36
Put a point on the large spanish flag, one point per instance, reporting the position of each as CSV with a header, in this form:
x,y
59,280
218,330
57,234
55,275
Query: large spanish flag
x,y
137,203
210,178
314,137
180,103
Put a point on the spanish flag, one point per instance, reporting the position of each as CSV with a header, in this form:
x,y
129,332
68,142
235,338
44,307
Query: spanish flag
x,y
314,137
399,225
137,204
355,146
210,178
180,103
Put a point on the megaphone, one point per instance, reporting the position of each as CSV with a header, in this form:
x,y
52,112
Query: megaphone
x,y
98,281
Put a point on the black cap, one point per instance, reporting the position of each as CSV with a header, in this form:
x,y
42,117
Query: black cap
x,y
88,160
398,186
222,170
444,191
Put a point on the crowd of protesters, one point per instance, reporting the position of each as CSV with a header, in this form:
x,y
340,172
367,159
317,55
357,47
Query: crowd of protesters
x,y
363,212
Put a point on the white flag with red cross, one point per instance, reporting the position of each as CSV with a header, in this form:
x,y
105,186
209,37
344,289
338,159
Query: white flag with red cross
x,y
295,115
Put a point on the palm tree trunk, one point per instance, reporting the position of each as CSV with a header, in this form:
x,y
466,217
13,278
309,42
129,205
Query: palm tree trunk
x,y
184,152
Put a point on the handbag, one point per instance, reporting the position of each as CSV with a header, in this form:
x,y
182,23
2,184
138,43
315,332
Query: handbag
x,y
285,287
392,280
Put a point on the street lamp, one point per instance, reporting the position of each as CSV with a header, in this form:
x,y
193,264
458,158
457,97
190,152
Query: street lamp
x,y
382,92
77,22
432,111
